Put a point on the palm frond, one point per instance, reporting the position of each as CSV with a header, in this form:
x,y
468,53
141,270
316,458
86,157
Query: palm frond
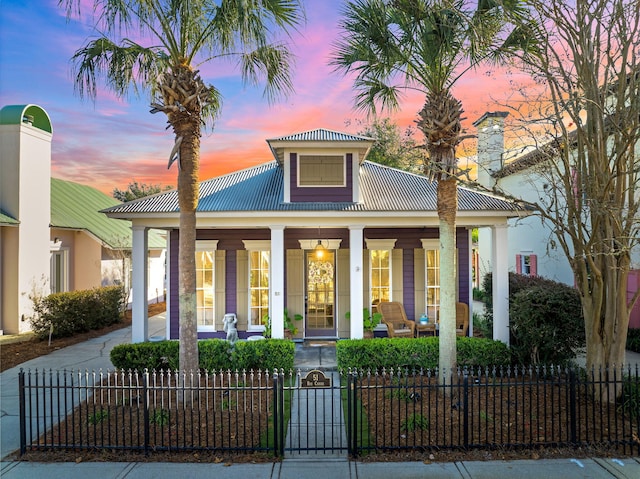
x,y
273,64
121,67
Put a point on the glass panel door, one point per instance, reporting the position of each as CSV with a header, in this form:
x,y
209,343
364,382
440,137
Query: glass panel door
x,y
320,297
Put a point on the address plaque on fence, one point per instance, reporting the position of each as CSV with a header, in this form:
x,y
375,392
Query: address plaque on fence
x,y
315,379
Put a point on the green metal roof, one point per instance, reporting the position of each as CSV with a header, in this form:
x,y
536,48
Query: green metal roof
x,y
32,114
5,219
76,206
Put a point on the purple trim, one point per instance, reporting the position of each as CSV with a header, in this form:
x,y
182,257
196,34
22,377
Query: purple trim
x,y
321,194
462,243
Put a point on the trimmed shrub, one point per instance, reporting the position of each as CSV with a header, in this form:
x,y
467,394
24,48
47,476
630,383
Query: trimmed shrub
x,y
265,355
161,355
214,355
546,324
421,353
76,311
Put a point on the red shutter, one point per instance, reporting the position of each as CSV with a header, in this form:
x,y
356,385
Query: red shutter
x,y
533,265
519,264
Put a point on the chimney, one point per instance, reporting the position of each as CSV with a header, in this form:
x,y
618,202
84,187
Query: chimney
x,y
490,145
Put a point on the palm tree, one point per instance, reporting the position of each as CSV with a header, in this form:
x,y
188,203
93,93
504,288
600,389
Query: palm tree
x,y
178,36
427,45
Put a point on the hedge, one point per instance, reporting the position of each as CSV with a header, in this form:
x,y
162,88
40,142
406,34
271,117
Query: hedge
x,y
417,353
76,311
214,355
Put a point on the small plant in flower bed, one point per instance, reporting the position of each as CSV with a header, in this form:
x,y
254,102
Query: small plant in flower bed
x,y
214,354
421,353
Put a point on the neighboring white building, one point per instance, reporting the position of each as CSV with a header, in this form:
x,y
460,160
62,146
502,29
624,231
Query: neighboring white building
x,y
531,241
53,237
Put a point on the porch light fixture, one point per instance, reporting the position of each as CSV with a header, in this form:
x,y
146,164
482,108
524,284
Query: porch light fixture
x,y
319,250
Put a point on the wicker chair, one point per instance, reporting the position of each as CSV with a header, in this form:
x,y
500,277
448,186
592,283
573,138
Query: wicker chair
x,y
394,317
462,319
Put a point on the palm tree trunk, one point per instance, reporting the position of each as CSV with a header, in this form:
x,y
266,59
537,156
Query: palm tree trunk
x,y
188,199
447,207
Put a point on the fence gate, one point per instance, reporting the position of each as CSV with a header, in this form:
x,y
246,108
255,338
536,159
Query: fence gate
x,y
310,413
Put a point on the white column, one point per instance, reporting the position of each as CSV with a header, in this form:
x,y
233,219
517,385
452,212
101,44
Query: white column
x,y
357,284
276,285
500,284
139,260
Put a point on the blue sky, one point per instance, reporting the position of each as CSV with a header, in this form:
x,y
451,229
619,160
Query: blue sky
x,y
108,143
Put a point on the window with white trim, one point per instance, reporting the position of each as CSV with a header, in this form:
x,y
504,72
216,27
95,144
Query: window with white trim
x,y
205,284
322,170
526,264
259,282
380,270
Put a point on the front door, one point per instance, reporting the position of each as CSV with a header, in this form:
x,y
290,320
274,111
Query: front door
x,y
320,295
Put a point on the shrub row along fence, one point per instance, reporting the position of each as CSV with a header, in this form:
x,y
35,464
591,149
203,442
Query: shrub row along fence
x,y
380,411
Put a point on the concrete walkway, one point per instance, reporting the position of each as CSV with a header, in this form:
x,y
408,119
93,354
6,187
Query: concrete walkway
x,y
94,355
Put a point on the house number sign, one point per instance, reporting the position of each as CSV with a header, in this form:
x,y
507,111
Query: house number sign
x,y
315,379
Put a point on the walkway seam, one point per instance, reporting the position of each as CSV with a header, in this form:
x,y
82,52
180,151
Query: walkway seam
x,y
125,472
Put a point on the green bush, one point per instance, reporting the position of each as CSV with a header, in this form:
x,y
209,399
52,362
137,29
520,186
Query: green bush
x,y
265,355
633,340
417,353
76,311
517,283
214,355
546,324
161,355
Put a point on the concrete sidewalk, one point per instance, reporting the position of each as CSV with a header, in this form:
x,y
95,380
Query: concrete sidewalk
x,y
332,468
94,355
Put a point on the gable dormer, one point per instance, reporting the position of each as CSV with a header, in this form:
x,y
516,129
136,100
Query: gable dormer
x,y
321,165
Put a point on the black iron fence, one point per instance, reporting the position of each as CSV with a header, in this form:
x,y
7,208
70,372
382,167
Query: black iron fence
x,y
497,408
354,412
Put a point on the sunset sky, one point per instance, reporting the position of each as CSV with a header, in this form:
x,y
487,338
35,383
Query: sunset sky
x,y
113,141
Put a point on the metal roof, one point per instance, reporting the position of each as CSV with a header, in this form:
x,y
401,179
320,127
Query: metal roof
x,y
6,219
261,188
321,134
78,207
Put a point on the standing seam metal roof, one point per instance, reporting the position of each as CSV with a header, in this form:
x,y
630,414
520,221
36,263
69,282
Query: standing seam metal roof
x,y
321,134
261,188
76,206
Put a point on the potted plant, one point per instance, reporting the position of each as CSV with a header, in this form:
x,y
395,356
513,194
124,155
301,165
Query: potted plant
x,y
369,321
290,329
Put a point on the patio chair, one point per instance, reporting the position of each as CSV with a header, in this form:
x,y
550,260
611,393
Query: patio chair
x,y
394,317
462,319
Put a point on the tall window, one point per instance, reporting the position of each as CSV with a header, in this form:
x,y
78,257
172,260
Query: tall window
x,y
205,284
380,270
432,279
380,275
258,286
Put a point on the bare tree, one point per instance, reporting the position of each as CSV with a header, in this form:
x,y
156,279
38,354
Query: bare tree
x,y
588,68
